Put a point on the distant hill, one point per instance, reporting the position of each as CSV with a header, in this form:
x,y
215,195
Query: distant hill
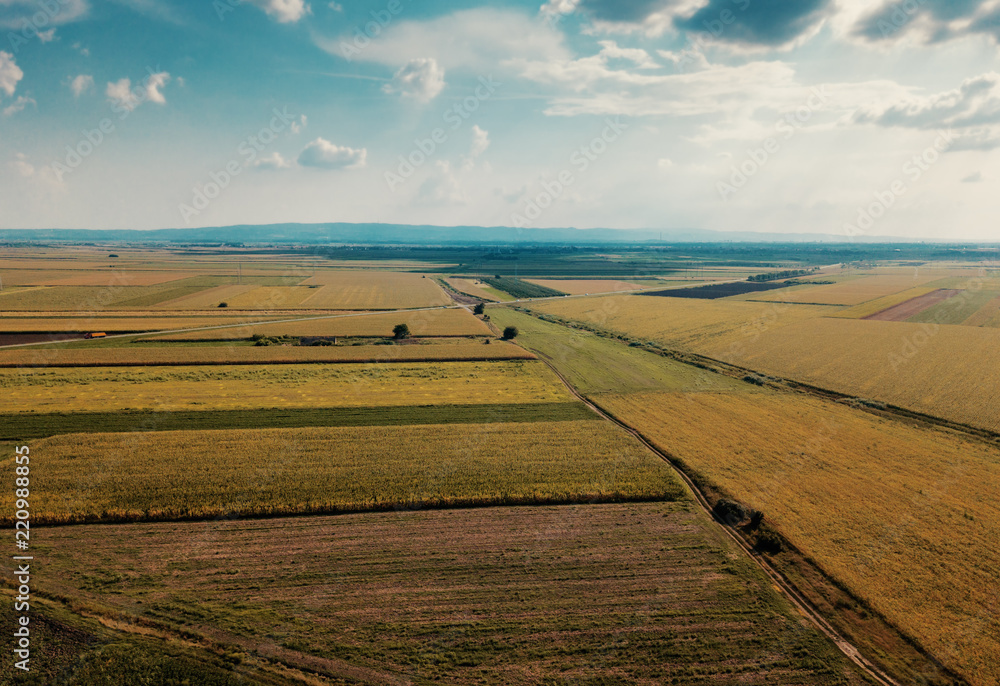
x,y
340,233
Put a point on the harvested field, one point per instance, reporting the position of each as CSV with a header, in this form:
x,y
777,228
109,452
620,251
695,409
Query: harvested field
x,y
118,324
914,306
372,291
203,474
146,355
477,289
584,286
855,291
438,322
682,323
204,299
917,538
118,278
272,298
718,290
951,372
956,310
880,304
278,386
618,593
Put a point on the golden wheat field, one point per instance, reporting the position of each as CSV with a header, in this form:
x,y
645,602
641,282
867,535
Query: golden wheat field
x,y
147,355
206,299
372,290
182,474
907,517
683,323
436,322
850,292
951,372
476,289
153,322
105,389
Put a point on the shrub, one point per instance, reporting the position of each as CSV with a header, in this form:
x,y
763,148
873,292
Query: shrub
x,y
730,511
400,331
510,333
480,308
768,541
223,304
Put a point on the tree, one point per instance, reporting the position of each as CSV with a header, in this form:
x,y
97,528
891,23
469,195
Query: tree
x,y
400,331
479,308
223,304
510,333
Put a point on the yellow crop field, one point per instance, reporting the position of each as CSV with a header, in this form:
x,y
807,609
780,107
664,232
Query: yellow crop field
x,y
106,389
183,474
62,298
205,299
851,292
159,322
946,371
272,298
906,517
146,355
584,286
682,323
373,290
988,315
118,278
478,289
442,322
875,306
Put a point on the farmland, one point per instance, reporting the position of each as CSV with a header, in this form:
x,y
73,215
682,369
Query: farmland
x,y
641,593
220,387
130,477
147,355
917,539
945,371
519,288
586,286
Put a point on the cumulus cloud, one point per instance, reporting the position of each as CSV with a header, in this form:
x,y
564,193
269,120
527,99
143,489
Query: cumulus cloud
x,y
421,79
10,73
298,126
18,105
323,154
480,144
477,40
283,11
15,13
445,185
122,94
928,21
272,161
975,102
81,84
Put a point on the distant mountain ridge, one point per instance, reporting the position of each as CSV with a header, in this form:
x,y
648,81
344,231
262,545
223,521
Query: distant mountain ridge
x,y
344,233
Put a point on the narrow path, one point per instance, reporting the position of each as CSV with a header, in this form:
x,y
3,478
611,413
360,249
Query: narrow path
x,y
786,588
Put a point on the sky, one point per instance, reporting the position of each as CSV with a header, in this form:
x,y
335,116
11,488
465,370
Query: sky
x,y
846,117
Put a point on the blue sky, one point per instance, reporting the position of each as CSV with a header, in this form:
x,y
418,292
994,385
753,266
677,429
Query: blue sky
x,y
850,117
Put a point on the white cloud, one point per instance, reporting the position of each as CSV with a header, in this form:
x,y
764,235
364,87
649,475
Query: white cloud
x,y
664,163
971,111
336,7
640,58
299,125
10,73
18,105
284,11
421,79
82,50
15,13
445,185
476,40
122,94
323,154
272,161
81,84
47,36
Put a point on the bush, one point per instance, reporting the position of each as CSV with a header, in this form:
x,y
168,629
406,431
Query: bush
x,y
768,541
223,304
510,333
730,511
400,331
754,379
